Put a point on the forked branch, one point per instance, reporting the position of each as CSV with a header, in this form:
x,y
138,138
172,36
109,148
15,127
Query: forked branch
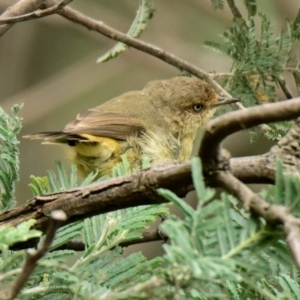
x,y
216,165
57,218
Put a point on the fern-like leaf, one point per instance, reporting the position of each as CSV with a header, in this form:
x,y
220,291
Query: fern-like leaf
x,y
144,14
10,126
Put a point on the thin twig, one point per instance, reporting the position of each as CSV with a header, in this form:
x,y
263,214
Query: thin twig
x,y
282,83
147,236
165,56
56,219
75,245
234,10
215,76
273,214
20,8
292,234
145,287
291,70
36,14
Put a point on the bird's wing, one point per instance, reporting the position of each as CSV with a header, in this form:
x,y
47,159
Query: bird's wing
x,y
94,123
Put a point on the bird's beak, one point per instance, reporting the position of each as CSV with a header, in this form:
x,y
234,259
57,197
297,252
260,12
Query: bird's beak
x,y
225,100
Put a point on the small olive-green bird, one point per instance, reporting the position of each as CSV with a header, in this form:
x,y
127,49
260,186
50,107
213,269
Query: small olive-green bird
x,y
160,121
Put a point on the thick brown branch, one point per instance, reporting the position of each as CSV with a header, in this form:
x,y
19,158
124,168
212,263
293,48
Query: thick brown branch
x,y
288,150
36,14
214,163
253,169
227,124
57,218
118,193
261,169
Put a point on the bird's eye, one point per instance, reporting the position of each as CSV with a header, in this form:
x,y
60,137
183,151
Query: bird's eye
x,y
197,107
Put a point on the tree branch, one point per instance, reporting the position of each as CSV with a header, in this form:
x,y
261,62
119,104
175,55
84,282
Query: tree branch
x,y
262,168
100,27
36,14
234,10
151,284
227,124
111,33
147,236
57,218
282,83
20,8
216,165
167,57
110,195
140,187
253,169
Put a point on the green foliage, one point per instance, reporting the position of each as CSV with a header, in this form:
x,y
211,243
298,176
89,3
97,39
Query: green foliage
x,y
278,130
21,233
219,251
216,240
100,268
256,62
144,14
260,57
58,182
249,4
251,7
285,192
11,262
216,251
10,126
217,4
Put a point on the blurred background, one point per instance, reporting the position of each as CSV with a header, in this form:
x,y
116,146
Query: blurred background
x,y
49,64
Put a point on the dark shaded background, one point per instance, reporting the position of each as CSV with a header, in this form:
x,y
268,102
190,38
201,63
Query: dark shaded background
x,y
50,65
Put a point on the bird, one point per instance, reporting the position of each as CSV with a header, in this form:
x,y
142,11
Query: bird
x,y
159,122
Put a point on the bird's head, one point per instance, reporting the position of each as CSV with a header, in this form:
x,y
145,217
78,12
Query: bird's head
x,y
187,103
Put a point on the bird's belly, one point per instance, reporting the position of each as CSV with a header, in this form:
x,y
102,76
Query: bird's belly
x,y
160,147
102,154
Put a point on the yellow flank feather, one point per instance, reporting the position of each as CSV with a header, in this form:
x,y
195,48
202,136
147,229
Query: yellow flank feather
x,y
108,145
96,153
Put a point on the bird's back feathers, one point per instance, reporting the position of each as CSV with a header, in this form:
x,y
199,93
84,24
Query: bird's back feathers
x,y
93,122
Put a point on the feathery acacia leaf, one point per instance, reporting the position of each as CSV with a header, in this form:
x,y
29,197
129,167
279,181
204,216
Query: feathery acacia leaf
x,y
144,14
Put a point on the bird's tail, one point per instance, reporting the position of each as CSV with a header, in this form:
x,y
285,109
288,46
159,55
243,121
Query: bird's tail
x,y
56,137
